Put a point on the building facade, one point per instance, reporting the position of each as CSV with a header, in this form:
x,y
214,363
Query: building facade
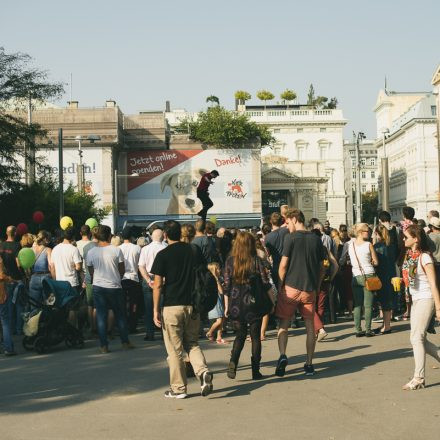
x,y
305,167
407,135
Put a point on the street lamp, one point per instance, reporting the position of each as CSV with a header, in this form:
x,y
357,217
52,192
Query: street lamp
x,y
385,175
80,170
357,139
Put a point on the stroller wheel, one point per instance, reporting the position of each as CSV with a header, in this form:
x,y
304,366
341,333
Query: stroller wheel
x,y
40,345
74,342
28,342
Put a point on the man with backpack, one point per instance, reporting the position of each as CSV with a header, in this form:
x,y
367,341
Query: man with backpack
x,y
174,271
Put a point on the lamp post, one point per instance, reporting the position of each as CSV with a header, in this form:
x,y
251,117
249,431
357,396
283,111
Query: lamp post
x,y
357,139
385,175
80,170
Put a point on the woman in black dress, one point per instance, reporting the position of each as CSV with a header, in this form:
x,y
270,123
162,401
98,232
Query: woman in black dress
x,y
239,267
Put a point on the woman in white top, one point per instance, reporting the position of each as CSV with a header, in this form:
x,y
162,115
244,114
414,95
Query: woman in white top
x,y
419,275
363,259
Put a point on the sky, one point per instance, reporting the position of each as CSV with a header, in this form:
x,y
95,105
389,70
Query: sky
x,y
142,53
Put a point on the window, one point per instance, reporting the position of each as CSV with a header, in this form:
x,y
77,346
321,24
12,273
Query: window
x,y
322,129
352,153
364,188
299,130
373,187
353,162
300,153
373,175
363,175
434,110
323,152
276,130
277,150
363,162
300,149
372,162
354,174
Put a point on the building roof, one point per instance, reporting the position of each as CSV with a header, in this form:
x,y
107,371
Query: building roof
x,y
436,77
420,110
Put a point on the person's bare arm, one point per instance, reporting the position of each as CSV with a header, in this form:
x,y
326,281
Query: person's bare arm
x,y
334,265
430,273
157,288
78,266
282,270
374,258
91,272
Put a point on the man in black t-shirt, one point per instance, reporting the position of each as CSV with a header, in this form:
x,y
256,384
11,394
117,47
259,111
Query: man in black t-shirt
x,y
301,273
173,268
274,242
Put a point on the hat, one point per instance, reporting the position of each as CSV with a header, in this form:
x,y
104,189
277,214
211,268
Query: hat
x,y
435,222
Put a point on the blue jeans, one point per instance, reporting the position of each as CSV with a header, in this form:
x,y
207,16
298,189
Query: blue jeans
x,y
103,300
6,323
148,301
36,288
16,308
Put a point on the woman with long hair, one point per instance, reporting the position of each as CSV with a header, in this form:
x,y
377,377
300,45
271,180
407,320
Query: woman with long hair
x,y
419,276
239,267
41,268
363,258
386,270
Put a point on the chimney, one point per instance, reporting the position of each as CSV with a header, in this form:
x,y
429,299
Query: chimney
x,y
167,106
110,103
73,104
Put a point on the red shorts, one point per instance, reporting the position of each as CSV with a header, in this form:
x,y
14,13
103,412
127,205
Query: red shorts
x,y
290,299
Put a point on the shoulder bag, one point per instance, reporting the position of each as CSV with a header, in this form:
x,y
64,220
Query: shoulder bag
x,y
372,283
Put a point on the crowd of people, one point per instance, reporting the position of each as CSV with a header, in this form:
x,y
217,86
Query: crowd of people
x,y
284,273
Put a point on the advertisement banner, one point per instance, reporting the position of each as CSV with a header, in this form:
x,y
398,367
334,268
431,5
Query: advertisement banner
x,y
164,182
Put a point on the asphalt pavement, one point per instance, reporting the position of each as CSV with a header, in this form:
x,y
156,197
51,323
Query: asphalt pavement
x,y
356,393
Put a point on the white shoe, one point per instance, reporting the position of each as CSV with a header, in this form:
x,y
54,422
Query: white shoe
x,y
322,334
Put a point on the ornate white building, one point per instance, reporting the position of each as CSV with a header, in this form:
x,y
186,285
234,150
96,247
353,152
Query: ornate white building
x,y
411,148
305,168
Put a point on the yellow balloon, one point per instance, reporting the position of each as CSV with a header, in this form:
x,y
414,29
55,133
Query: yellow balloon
x,y
66,222
213,219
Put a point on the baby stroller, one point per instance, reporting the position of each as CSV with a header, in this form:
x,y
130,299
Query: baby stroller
x,y
48,325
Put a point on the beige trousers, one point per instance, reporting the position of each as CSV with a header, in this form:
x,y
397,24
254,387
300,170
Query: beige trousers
x,y
421,314
181,335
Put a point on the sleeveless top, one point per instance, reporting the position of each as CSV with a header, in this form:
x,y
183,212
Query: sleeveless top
x,y
363,255
41,262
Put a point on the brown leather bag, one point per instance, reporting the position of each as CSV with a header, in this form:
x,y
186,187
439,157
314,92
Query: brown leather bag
x,y
3,293
372,283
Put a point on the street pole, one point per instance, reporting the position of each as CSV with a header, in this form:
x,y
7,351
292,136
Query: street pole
x,y
60,172
80,169
358,180
31,150
385,175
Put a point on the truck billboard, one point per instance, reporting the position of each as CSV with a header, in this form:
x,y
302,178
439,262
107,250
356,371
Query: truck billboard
x,y
164,182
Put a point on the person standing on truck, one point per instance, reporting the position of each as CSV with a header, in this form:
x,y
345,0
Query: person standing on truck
x,y
203,193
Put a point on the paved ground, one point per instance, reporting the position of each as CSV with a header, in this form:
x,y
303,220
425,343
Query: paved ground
x,y
356,394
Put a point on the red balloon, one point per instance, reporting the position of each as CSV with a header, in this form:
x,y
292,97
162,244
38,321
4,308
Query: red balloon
x,y
21,229
38,217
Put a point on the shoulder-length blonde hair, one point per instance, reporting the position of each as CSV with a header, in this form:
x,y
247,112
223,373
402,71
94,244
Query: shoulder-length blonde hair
x,y
383,234
244,252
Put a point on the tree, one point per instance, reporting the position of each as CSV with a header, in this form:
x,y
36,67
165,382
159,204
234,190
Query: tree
x,y
223,128
320,102
265,95
19,206
242,96
19,84
213,99
332,104
370,202
288,95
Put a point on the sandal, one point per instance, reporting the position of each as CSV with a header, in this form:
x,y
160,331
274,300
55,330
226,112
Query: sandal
x,y
209,337
221,341
414,384
405,317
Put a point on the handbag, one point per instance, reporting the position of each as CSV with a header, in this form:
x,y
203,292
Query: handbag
x,y
259,299
372,283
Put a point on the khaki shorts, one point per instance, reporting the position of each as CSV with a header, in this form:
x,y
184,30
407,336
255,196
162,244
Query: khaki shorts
x,y
290,299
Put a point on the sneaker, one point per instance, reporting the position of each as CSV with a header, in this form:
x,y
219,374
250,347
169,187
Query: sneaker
x,y
206,383
280,370
370,334
9,353
360,334
322,334
127,346
104,350
377,319
170,394
309,370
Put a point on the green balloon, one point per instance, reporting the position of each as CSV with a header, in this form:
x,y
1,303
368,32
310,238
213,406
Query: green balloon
x,y
91,222
26,258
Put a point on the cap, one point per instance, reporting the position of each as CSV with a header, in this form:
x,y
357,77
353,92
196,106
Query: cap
x,y
435,222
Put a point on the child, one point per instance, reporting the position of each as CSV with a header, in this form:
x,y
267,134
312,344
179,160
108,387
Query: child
x,y
218,312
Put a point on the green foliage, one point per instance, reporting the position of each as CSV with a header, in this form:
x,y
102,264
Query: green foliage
x,y
288,95
242,96
223,128
19,83
18,207
265,95
320,102
311,96
370,202
213,100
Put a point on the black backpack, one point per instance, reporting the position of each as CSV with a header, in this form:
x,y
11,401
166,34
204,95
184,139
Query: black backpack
x,y
205,291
